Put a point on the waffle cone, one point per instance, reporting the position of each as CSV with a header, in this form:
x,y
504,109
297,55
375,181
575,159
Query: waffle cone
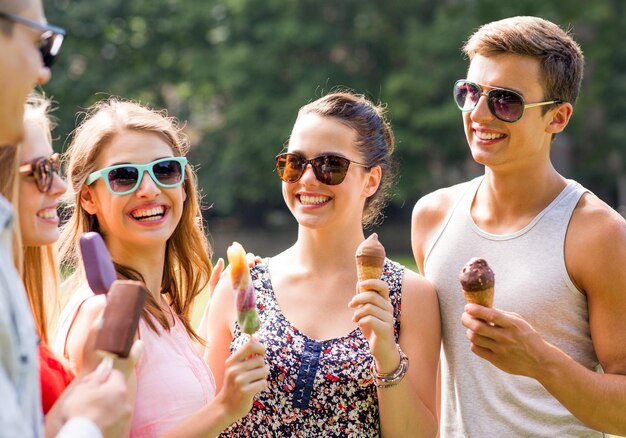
x,y
366,272
483,297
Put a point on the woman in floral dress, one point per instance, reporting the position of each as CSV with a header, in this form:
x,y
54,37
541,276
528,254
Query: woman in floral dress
x,y
342,363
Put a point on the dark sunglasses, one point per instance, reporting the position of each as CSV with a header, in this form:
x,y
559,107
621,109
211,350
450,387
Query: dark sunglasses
x,y
51,37
123,179
328,169
43,169
506,105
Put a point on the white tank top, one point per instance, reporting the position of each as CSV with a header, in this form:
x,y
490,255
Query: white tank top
x,y
478,399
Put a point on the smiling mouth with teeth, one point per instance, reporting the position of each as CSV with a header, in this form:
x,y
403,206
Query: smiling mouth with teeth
x,y
149,214
48,213
489,135
313,200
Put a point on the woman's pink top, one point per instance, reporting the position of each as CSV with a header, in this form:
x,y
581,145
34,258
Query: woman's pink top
x,y
173,381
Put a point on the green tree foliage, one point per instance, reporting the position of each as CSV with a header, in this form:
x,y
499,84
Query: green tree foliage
x,y
236,72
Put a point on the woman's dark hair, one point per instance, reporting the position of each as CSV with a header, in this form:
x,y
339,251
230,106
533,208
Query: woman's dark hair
x,y
374,140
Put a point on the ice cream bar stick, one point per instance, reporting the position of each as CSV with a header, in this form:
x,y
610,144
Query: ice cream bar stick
x,y
99,267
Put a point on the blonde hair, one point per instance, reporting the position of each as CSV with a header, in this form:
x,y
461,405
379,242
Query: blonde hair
x,y
187,261
37,265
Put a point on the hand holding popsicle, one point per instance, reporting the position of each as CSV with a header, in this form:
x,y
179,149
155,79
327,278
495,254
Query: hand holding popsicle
x,y
247,316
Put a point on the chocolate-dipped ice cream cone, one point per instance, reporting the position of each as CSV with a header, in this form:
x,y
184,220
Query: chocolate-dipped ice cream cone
x,y
477,280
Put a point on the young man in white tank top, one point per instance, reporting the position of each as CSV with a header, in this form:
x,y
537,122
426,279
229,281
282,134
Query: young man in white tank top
x,y
529,365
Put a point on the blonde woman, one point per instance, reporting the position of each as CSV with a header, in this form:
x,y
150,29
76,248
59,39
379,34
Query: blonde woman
x,y
131,182
34,169
39,191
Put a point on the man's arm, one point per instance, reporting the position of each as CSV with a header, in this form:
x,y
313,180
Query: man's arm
x,y
595,255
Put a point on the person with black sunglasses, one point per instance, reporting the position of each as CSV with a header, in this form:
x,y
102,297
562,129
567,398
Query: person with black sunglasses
x,y
342,363
548,359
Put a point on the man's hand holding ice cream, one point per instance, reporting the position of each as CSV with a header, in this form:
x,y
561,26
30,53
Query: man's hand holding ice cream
x,y
503,338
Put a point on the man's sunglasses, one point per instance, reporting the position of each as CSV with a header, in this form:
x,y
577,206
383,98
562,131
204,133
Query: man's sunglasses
x,y
43,170
123,179
506,105
51,37
328,169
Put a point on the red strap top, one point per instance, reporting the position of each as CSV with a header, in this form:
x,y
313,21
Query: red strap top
x,y
55,377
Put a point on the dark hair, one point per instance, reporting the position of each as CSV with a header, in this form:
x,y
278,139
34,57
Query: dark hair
x,y
375,141
561,60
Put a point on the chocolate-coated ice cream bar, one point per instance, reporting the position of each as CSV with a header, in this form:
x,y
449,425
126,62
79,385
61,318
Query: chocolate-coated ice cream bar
x,y
125,302
97,261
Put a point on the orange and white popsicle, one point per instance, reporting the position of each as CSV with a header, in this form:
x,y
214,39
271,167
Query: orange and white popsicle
x,y
247,316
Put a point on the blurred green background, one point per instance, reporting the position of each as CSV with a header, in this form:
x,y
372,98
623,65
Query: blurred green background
x,y
236,72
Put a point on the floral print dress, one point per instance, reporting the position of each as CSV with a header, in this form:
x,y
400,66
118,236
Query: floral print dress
x,y
316,388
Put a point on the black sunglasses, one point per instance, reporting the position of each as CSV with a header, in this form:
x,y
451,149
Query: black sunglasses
x,y
506,105
328,169
43,169
51,37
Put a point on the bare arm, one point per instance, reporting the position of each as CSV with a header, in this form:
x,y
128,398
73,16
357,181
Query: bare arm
x,y
407,409
220,316
245,375
595,254
238,377
203,328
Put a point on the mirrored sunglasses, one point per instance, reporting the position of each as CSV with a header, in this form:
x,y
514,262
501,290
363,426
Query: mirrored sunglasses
x,y
51,37
328,169
505,105
123,179
43,170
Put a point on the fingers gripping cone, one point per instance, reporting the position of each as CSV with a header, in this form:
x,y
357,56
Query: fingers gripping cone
x,y
247,316
370,258
477,281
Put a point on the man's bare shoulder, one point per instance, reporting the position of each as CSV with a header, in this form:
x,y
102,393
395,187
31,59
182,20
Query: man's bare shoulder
x,y
428,215
594,218
595,243
437,204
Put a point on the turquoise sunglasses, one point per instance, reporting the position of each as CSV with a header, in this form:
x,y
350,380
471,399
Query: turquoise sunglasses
x,y
123,179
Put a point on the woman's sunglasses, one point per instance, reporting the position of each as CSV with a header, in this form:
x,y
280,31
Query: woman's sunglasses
x,y
506,105
51,37
123,179
328,169
43,170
